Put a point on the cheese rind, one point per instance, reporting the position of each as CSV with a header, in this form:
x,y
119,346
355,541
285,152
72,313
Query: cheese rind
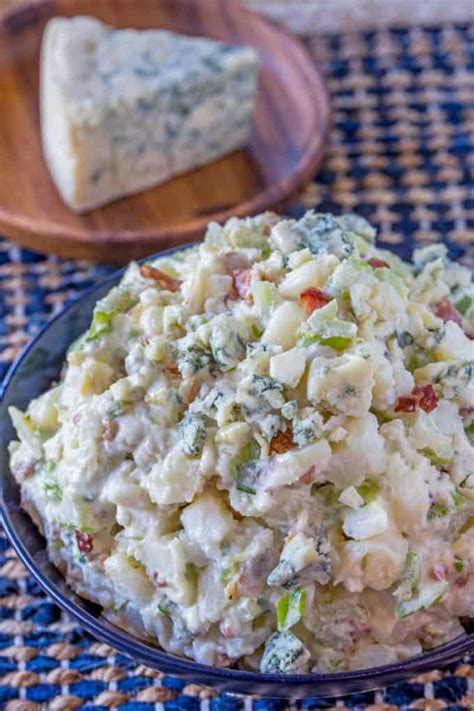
x,y
123,110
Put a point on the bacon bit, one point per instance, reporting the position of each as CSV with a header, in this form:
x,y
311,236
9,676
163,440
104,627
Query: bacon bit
x,y
422,396
426,397
446,312
308,476
462,580
84,541
222,660
164,280
192,390
110,430
312,299
405,404
159,582
172,370
242,279
226,631
24,471
438,572
378,263
282,442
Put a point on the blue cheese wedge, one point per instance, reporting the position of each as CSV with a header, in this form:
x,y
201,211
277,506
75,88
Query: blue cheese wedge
x,y
123,110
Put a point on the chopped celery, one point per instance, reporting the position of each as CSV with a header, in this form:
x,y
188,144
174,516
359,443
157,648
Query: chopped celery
x,y
243,467
163,611
101,323
231,571
264,295
337,334
418,359
290,609
410,580
191,573
134,563
458,565
458,499
53,491
435,459
437,511
248,453
117,301
360,265
428,596
390,277
469,430
244,488
50,484
324,327
328,492
368,490
322,316
464,304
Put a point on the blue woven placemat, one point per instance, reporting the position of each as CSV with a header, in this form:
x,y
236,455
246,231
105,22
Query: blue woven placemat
x,y
401,152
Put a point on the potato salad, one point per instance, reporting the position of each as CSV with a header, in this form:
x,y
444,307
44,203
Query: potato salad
x,y
261,454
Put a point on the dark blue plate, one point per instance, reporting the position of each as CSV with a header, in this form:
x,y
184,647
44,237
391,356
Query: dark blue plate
x,y
32,373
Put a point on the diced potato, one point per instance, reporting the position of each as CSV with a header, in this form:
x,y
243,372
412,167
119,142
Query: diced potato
x,y
284,325
409,504
151,321
26,431
130,579
344,383
43,410
122,390
351,497
289,467
284,237
155,349
463,548
454,344
194,290
313,273
375,562
165,560
365,522
288,367
360,455
236,433
207,521
174,481
96,377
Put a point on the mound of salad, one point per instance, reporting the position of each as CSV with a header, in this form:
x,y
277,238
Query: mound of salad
x,y
260,453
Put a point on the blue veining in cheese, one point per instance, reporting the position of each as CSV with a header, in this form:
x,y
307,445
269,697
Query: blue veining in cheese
x,y
122,110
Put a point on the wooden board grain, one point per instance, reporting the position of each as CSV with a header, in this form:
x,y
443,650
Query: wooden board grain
x,y
284,150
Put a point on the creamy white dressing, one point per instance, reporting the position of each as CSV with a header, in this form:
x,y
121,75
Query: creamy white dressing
x,y
261,451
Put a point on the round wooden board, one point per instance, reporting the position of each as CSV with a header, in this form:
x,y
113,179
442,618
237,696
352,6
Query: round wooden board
x,y
284,150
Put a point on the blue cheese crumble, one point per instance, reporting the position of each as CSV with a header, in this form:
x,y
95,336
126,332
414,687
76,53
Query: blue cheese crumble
x,y
123,110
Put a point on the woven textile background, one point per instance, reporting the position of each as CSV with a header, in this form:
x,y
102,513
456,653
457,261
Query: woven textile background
x,y
401,152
